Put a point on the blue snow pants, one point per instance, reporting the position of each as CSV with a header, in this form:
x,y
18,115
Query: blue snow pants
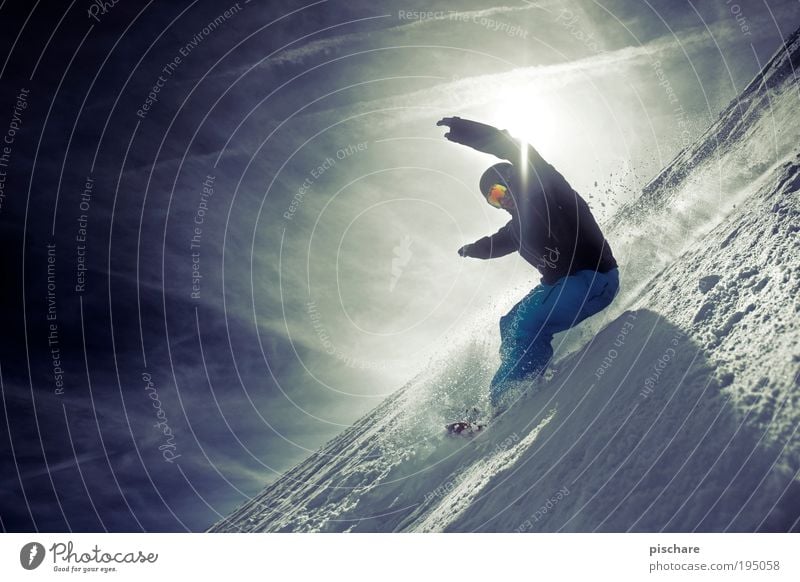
x,y
527,330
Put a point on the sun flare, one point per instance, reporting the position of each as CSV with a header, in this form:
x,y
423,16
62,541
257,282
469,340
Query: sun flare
x,y
532,120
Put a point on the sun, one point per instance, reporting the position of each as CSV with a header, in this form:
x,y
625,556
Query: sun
x,y
531,119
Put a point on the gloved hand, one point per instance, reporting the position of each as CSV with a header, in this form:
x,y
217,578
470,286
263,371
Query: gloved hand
x,y
462,252
467,132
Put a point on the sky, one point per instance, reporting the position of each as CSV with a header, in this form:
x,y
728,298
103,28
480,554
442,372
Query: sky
x,y
230,230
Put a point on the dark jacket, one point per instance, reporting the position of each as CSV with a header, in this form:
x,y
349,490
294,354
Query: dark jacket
x,y
552,227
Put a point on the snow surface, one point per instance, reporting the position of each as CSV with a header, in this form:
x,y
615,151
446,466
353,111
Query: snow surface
x,y
677,409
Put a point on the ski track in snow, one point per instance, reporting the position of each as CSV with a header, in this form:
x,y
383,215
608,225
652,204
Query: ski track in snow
x,y
675,410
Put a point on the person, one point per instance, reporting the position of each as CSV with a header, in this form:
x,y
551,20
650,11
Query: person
x,y
552,228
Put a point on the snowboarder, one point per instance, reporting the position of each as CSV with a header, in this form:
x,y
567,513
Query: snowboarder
x,y
553,229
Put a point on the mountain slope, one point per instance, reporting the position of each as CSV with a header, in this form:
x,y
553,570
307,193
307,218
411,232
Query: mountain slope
x,y
680,414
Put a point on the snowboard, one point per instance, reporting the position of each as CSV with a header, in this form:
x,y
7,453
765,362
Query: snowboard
x,y
469,424
463,428
472,421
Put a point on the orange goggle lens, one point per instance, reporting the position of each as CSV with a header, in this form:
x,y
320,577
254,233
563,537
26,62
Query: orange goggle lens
x,y
496,194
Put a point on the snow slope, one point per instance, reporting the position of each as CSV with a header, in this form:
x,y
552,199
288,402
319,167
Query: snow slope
x,y
678,412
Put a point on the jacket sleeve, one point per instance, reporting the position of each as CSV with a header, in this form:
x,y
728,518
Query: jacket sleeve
x,y
499,244
501,144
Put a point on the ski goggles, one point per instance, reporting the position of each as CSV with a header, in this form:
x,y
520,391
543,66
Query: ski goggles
x,y
495,194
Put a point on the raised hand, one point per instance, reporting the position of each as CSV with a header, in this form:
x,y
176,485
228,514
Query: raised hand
x,y
468,132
